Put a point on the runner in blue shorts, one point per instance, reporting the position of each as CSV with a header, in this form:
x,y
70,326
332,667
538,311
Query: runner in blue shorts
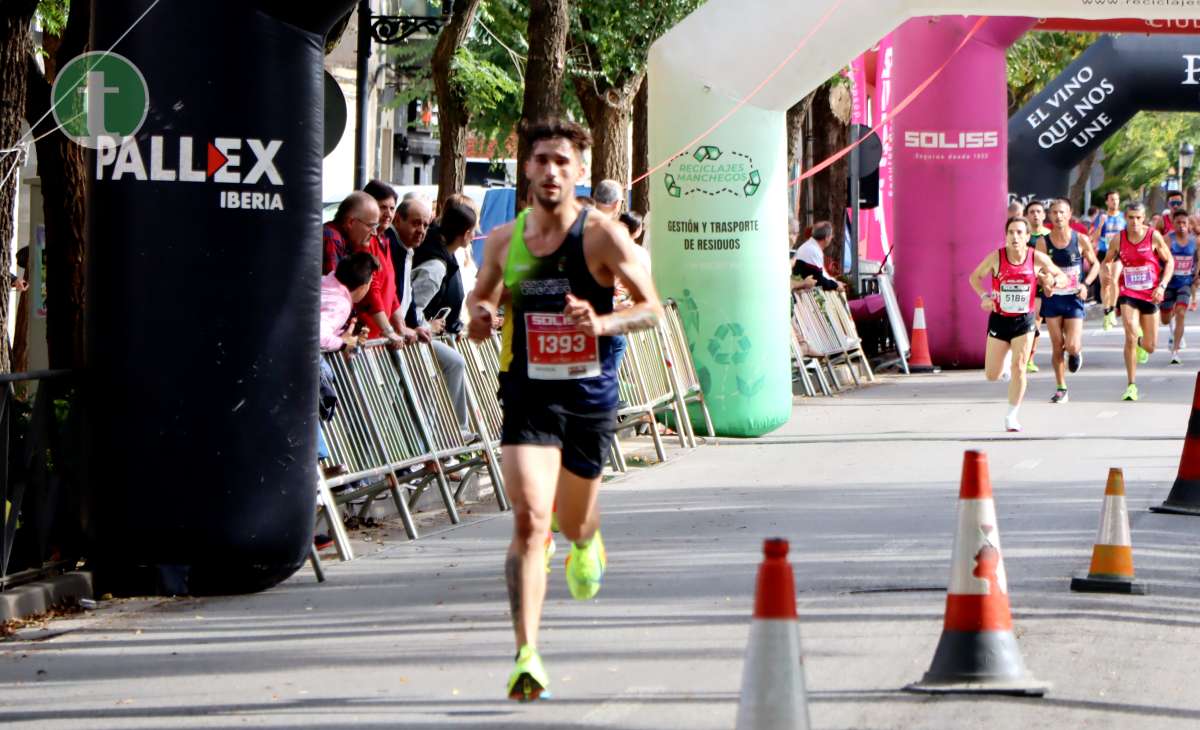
x,y
1063,306
1180,297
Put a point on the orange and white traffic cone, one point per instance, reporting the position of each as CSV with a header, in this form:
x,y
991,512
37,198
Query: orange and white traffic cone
x,y
919,360
978,652
1184,498
773,695
1112,556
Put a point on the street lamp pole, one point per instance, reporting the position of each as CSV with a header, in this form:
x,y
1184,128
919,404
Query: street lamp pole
x,y
1187,156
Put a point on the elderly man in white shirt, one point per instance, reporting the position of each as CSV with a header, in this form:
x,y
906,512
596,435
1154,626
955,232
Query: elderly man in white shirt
x,y
812,253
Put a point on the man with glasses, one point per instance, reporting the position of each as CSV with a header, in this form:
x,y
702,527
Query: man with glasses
x,y
356,219
1174,203
354,229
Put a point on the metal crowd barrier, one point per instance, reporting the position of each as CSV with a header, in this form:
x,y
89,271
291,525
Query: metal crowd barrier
x,y
683,367
657,376
824,336
38,494
393,425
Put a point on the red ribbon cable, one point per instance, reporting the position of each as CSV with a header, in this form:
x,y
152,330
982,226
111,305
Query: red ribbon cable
x,y
812,32
891,116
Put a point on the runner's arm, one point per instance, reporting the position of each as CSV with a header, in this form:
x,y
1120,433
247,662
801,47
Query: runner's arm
x,y
988,267
1088,252
489,284
1164,252
1043,262
616,252
1112,255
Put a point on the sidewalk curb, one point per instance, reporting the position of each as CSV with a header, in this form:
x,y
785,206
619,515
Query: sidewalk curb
x,y
40,596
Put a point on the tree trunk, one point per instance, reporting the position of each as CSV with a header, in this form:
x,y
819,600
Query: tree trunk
x,y
609,112
829,185
62,168
641,147
453,115
1080,186
15,48
795,150
548,26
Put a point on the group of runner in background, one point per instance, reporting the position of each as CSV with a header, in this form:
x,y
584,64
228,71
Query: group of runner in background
x,y
1140,269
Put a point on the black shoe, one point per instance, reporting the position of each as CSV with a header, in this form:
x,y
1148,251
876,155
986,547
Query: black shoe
x,y
1074,362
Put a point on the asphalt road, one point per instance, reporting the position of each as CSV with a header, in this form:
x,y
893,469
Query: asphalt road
x,y
864,485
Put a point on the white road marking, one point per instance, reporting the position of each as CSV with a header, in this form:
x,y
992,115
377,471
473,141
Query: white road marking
x,y
1076,435
1107,414
1028,464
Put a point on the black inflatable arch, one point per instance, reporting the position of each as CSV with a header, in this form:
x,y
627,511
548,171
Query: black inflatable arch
x,y
1108,84
203,295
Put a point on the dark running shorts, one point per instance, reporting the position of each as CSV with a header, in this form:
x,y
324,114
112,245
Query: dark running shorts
x,y
583,438
1141,305
1067,306
1010,328
1180,296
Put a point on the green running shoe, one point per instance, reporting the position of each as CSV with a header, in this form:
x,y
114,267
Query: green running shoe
x,y
1130,392
585,568
1143,357
1031,367
1110,321
528,681
554,520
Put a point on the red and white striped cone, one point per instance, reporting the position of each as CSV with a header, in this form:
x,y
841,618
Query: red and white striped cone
x,y
773,694
978,652
1184,498
919,360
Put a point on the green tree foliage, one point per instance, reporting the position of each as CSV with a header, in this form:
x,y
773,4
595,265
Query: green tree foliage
x,y
1143,152
488,69
1039,57
52,15
612,38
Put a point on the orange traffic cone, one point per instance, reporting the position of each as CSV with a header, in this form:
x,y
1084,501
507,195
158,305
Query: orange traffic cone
x,y
918,358
978,652
773,696
1112,556
1184,498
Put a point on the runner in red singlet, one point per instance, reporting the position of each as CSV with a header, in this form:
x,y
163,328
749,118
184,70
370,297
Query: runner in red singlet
x,y
1146,268
1015,272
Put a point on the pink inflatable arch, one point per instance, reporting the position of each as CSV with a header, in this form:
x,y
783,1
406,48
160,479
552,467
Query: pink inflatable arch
x,y
950,173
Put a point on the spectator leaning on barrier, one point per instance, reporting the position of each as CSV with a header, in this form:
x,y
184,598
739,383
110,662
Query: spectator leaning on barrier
x,y
608,196
341,289
356,219
412,222
436,279
809,259
381,308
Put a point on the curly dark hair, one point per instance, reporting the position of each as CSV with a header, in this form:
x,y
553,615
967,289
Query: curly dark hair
x,y
556,128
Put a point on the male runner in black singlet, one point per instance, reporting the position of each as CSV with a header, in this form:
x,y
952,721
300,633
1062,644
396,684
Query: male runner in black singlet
x,y
554,268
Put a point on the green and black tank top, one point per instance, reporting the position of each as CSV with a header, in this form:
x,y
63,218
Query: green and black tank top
x,y
538,285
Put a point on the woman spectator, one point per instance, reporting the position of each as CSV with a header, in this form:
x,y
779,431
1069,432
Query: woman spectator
x,y
437,280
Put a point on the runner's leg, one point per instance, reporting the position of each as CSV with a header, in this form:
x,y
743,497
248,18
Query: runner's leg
x,y
1073,335
1180,314
1058,344
1149,324
993,362
1021,347
529,478
1129,317
578,513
